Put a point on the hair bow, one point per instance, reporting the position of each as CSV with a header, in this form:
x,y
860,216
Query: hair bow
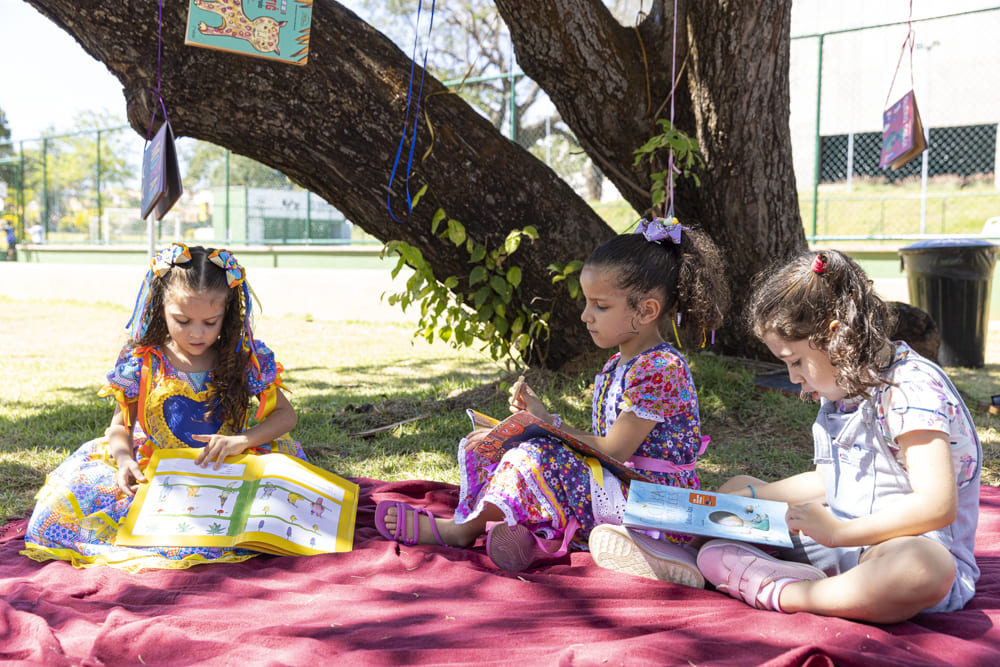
x,y
658,229
224,260
163,261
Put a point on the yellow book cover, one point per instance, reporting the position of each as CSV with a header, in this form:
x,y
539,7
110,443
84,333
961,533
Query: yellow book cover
x,y
271,503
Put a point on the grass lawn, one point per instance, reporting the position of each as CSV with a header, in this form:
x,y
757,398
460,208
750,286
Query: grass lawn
x,y
349,377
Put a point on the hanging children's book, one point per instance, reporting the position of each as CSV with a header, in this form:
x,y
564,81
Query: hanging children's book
x,y
275,29
673,509
523,426
271,503
902,133
161,174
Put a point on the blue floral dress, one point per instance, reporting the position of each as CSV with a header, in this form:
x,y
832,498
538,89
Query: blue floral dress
x,y
558,492
78,511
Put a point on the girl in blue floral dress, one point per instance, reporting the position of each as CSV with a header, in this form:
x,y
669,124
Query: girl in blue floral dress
x,y
184,379
540,498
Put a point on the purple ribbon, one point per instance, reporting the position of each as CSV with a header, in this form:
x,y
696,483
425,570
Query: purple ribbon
x,y
658,229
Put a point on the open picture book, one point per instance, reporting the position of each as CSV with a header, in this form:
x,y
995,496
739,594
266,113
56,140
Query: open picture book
x,y
271,503
673,509
522,426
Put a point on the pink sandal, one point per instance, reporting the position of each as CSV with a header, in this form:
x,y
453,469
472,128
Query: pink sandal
x,y
404,512
516,548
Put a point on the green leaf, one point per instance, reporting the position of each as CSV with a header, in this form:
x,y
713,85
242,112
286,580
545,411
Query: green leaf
x,y
481,296
456,232
512,242
416,197
501,325
499,285
573,285
450,282
514,276
531,232
478,252
477,275
439,215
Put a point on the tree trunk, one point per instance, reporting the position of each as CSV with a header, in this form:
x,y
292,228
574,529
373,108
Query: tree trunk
x,y
334,127
733,96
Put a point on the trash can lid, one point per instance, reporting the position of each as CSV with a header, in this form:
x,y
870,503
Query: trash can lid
x,y
933,244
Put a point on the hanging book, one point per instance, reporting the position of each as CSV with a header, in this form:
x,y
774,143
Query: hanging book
x,y
274,29
271,503
161,175
902,133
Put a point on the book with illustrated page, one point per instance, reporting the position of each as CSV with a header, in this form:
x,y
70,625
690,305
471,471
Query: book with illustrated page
x,y
522,426
695,512
902,133
271,503
273,29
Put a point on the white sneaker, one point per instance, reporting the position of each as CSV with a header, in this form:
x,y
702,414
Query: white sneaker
x,y
624,550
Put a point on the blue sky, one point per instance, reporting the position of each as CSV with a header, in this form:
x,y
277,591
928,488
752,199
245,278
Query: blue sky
x,y
46,78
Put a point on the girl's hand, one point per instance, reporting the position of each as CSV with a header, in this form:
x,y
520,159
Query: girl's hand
x,y
218,447
814,520
523,397
129,476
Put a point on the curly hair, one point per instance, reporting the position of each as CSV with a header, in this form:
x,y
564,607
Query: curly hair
x,y
800,299
688,278
229,398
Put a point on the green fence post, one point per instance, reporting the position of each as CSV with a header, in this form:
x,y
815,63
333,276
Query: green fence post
x,y
99,205
816,161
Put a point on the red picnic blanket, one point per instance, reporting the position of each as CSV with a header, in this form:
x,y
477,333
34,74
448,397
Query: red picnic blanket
x,y
384,604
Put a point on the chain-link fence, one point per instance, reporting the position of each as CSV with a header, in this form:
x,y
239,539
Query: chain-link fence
x,y
840,85
83,188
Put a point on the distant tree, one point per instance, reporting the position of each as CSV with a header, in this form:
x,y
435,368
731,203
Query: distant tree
x,y
5,146
207,165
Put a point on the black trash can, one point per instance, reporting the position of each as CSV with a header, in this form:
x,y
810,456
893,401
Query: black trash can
x,y
950,279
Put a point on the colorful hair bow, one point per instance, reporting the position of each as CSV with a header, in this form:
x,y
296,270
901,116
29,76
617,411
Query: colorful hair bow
x,y
818,265
224,259
163,261
658,229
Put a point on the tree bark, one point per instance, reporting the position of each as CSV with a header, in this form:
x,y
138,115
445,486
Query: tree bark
x,y
334,127
732,96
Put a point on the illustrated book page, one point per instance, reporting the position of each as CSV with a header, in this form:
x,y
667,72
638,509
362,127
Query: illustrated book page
x,y
273,29
694,512
272,503
522,426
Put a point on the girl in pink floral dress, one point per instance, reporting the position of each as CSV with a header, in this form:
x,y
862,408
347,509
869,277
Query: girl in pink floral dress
x,y
541,497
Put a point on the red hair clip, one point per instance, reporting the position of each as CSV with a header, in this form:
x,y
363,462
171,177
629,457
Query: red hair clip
x,y
818,265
